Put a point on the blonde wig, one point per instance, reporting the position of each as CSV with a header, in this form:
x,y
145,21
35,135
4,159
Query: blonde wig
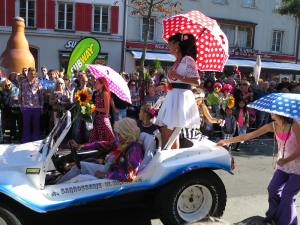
x,y
128,129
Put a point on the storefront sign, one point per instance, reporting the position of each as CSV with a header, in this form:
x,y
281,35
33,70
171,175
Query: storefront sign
x,y
85,52
149,46
70,44
252,53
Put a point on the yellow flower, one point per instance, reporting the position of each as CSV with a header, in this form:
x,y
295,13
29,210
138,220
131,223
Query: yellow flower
x,y
93,108
83,97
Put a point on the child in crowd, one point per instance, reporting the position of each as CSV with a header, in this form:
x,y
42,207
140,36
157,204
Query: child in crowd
x,y
229,128
242,117
146,114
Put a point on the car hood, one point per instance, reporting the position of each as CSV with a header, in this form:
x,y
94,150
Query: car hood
x,y
20,154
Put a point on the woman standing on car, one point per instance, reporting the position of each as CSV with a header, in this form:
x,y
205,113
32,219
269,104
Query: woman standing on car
x,y
285,183
102,130
179,109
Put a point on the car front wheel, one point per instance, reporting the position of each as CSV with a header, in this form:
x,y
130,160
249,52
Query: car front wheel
x,y
7,217
191,198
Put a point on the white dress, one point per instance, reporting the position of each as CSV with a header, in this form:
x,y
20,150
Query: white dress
x,y
179,108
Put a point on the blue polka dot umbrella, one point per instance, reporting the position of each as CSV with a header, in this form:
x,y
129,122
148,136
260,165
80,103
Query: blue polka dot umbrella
x,y
284,104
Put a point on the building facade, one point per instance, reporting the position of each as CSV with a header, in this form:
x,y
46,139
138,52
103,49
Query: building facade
x,y
53,27
252,27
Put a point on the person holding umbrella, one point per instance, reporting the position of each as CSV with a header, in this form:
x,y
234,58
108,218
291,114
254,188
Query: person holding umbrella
x,y
285,184
179,109
198,44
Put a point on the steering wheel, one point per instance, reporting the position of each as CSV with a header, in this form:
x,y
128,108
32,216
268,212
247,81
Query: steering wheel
x,y
75,157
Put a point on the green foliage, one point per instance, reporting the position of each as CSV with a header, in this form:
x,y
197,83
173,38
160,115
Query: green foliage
x,y
290,7
157,64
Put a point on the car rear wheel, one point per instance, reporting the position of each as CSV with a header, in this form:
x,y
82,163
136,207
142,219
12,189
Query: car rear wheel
x,y
193,197
7,217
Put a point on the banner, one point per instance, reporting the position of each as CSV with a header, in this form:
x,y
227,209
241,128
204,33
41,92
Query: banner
x,y
84,52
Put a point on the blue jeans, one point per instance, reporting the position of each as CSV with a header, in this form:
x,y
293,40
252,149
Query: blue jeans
x,y
79,130
242,130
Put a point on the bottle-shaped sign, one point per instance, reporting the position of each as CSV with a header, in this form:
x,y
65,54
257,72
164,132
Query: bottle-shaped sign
x,y
17,54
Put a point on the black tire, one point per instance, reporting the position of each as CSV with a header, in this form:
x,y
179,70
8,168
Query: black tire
x,y
167,198
8,217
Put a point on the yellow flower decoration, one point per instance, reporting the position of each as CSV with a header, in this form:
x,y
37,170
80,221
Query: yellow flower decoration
x,y
83,97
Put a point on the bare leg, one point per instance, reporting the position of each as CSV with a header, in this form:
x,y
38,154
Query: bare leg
x,y
166,134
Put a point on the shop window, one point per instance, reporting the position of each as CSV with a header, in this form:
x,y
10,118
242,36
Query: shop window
x,y
221,2
277,41
65,16
248,3
27,11
239,35
101,18
151,30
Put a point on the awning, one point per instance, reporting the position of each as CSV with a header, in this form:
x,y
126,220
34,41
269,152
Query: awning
x,y
264,65
154,56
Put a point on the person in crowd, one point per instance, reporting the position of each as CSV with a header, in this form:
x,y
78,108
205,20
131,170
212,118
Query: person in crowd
x,y
59,100
285,183
227,98
162,89
242,119
13,78
80,130
146,114
151,96
102,130
263,117
24,72
69,87
120,110
61,73
214,99
179,109
44,74
244,93
229,128
204,112
31,101
11,109
209,85
134,108
122,163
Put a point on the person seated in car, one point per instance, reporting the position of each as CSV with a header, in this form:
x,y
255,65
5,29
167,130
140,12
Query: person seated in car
x,y
122,163
147,113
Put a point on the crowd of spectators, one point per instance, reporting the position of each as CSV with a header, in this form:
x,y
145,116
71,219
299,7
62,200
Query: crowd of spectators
x,y
32,102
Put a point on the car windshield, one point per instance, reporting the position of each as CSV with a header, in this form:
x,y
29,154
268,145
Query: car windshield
x,y
56,131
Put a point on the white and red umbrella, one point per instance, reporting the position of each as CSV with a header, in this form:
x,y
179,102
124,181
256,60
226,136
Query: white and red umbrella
x,y
212,43
115,81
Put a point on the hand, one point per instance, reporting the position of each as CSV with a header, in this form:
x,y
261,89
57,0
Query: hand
x,y
281,162
221,122
99,174
222,143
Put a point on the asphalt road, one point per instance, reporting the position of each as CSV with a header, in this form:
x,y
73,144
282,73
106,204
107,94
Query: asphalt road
x,y
246,191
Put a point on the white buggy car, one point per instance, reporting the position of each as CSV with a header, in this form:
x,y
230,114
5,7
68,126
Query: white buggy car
x,y
181,184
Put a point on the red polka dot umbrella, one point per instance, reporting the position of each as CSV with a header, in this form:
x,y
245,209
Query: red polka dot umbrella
x,y
116,83
211,42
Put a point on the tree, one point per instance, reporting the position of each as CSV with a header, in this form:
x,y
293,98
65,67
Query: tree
x,y
146,9
292,8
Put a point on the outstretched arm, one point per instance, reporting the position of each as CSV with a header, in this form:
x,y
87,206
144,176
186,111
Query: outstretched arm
x,y
244,137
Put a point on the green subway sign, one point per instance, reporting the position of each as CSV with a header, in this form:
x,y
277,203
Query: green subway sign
x,y
84,52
